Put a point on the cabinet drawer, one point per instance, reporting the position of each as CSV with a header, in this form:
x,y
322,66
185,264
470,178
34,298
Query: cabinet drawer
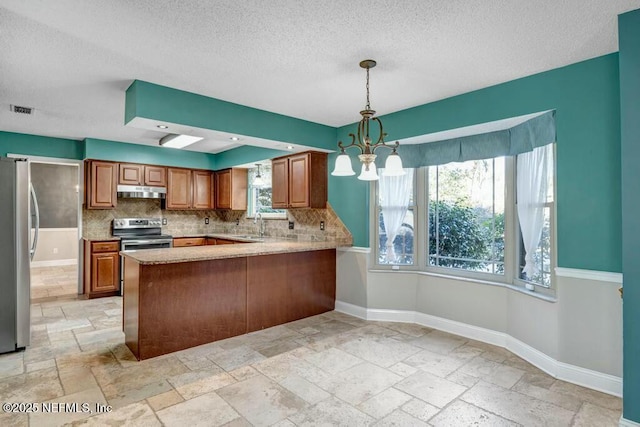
x,y
188,241
105,246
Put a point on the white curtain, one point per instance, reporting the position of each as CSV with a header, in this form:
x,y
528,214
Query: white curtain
x,y
395,193
531,182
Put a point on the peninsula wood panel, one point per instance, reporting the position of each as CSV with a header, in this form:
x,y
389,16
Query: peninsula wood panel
x,y
184,305
286,287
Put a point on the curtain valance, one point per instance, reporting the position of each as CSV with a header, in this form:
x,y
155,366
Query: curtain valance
x,y
521,138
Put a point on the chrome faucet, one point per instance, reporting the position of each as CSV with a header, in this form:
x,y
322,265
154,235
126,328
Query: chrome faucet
x,y
261,226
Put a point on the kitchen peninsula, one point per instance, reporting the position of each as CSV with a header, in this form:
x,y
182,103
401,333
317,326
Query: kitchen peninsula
x,y
183,297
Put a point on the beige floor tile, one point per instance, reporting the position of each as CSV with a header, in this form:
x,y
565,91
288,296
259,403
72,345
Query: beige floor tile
x,y
193,376
410,329
14,420
10,367
333,360
134,395
137,414
460,413
493,372
280,367
35,386
430,388
437,364
595,416
244,373
381,351
384,403
403,369
205,385
331,412
439,342
208,410
304,389
164,400
261,401
76,379
236,358
362,382
600,399
59,416
399,419
516,407
37,366
420,409
565,401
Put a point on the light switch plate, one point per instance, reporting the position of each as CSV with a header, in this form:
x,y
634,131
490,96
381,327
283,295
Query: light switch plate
x,y
206,221
321,225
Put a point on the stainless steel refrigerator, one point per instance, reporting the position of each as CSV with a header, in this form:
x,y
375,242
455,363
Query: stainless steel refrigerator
x,y
18,215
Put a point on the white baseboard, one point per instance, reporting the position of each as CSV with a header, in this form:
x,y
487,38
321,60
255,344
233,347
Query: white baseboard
x,y
358,249
54,263
627,423
605,383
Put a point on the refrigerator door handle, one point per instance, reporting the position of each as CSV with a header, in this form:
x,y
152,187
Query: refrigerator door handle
x,y
34,243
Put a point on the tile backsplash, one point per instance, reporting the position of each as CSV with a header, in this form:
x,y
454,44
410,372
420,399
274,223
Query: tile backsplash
x,y
96,223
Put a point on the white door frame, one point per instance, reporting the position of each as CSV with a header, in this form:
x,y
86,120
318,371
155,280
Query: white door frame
x,y
65,162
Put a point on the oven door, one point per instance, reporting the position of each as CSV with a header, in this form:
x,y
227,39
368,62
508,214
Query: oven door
x,y
136,245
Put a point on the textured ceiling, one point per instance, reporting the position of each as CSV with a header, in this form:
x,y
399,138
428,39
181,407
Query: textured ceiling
x,y
73,60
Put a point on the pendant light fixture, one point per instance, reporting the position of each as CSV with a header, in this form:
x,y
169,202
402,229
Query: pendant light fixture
x,y
257,180
362,140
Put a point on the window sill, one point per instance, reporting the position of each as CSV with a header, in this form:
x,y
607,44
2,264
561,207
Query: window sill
x,y
520,289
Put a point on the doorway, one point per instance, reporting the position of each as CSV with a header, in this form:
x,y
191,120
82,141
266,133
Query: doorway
x,y
57,213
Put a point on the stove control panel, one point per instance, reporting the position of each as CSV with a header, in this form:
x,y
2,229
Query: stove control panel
x,y
125,223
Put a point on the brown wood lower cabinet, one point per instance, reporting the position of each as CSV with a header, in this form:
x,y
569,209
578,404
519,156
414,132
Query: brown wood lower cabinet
x,y
170,307
101,268
181,242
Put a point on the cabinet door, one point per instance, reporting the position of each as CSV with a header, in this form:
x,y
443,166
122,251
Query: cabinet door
x,y
155,176
280,183
101,191
223,189
202,190
299,181
178,188
130,174
104,272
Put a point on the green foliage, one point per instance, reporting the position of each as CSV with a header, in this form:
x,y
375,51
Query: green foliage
x,y
465,232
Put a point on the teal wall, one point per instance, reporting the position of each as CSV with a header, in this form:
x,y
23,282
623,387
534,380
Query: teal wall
x,y
136,153
245,154
587,103
629,39
169,105
34,145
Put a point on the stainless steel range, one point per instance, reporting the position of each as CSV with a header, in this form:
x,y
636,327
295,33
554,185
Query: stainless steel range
x,y
140,233
137,234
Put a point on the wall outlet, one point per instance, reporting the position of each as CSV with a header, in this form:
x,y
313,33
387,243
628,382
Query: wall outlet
x,y
164,221
290,225
55,250
237,222
206,221
321,225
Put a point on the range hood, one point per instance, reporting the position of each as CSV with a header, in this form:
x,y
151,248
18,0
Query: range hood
x,y
141,192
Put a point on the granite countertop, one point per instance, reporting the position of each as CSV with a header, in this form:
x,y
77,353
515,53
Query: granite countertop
x,y
204,253
95,237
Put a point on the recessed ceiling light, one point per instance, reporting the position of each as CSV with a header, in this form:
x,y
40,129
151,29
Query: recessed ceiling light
x,y
289,147
163,126
178,141
234,138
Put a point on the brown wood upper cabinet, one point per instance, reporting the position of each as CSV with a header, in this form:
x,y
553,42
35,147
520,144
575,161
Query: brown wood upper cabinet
x,y
132,174
187,189
231,189
299,181
100,184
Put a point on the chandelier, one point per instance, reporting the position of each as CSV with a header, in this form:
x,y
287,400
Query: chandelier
x,y
362,140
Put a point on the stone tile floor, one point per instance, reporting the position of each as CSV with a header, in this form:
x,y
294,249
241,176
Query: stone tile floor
x,y
330,369
53,282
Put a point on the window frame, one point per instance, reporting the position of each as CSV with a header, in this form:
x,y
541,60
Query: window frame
x,y
251,213
511,239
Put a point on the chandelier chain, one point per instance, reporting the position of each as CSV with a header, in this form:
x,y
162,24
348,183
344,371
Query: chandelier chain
x,y
368,107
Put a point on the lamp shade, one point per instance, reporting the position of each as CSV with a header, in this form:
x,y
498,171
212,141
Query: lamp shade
x,y
393,165
258,181
343,166
369,175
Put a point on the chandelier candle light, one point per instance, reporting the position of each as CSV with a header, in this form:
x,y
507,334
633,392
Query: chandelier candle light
x,y
393,164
